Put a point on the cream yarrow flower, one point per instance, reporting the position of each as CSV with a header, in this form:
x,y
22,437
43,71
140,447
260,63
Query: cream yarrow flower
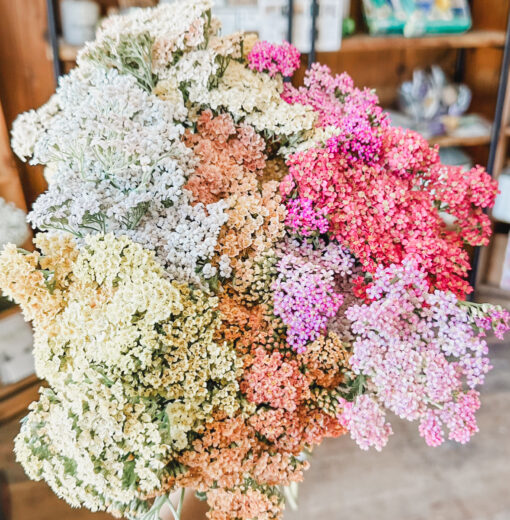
x,y
120,336
95,446
122,316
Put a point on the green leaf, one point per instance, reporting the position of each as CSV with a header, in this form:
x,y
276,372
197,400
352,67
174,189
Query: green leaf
x,y
70,466
128,474
49,280
201,495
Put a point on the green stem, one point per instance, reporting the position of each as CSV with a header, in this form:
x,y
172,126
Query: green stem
x,y
291,494
177,512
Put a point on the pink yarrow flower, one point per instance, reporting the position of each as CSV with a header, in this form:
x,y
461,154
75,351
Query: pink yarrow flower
x,y
274,59
366,422
304,219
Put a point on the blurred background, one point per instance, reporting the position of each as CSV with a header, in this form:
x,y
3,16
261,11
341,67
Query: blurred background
x,y
439,67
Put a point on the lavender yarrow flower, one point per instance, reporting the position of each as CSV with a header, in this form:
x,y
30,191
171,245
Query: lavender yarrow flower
x,y
305,295
489,317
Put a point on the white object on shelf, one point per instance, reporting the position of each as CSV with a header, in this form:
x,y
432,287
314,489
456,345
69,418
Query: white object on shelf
x,y
13,225
329,25
471,125
217,3
467,126
79,20
17,368
16,340
455,156
273,17
501,210
505,277
346,8
238,18
227,17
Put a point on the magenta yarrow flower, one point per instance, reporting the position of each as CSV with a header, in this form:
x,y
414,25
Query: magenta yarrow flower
x,y
274,59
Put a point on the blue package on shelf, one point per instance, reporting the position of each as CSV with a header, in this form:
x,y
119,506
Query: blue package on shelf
x,y
417,17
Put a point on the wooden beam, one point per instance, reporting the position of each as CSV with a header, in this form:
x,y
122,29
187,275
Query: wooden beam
x,y
447,140
10,185
26,78
17,403
7,391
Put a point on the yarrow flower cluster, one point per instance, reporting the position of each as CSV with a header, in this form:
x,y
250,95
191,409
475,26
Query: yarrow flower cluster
x,y
305,296
303,219
274,59
232,269
422,352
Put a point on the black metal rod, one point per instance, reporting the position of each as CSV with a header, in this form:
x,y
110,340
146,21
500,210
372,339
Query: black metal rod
x,y
500,103
290,21
460,66
460,61
51,8
313,35
496,134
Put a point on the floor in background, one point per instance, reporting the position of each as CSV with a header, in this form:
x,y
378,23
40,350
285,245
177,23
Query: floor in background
x,y
406,481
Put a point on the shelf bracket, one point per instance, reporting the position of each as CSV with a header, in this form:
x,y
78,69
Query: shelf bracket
x,y
51,8
495,139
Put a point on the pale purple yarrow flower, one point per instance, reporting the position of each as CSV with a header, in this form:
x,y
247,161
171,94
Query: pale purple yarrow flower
x,y
366,421
305,294
421,352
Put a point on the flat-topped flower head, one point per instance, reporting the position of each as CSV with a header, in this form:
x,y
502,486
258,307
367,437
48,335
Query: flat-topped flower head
x,y
274,59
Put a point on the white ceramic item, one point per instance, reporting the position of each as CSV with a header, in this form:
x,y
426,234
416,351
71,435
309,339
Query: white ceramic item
x,y
16,340
501,210
273,23
79,20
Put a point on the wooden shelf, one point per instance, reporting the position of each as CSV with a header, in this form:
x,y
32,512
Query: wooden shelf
x,y
367,43
8,390
447,140
15,398
68,52
469,40
13,309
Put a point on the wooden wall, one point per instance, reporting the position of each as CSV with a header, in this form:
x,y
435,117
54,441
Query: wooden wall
x,y
26,77
10,184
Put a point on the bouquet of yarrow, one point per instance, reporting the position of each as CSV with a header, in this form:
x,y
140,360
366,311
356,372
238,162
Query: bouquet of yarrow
x,y
231,268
